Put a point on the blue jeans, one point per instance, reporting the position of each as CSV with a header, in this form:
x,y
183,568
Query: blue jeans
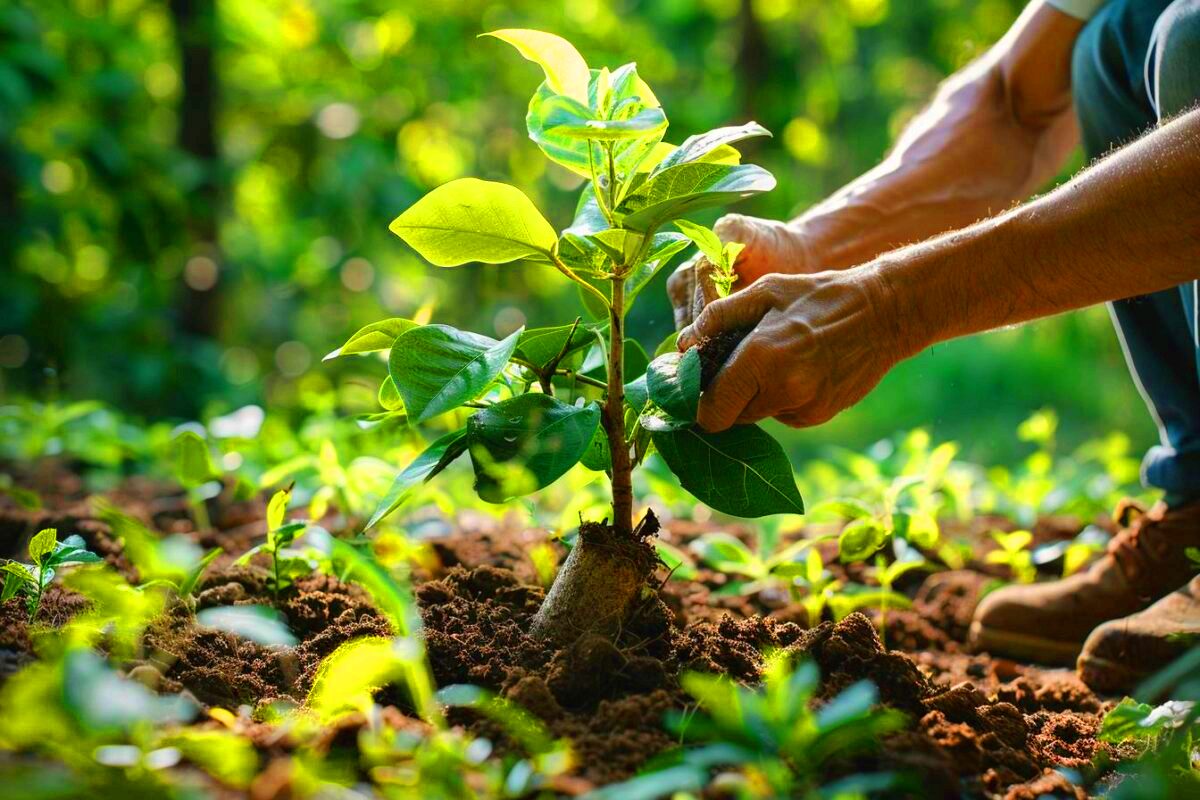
x,y
1137,64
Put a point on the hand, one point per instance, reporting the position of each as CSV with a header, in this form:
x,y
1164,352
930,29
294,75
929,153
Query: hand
x,y
771,246
820,342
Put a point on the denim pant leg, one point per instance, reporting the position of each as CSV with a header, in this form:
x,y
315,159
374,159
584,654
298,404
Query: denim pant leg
x,y
1117,78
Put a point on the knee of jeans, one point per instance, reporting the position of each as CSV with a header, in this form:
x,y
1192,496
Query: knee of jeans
x,y
1177,58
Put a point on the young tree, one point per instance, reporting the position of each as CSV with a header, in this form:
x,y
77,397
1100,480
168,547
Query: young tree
x,y
541,409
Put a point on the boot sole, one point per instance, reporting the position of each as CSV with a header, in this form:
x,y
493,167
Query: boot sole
x,y
1024,646
1102,675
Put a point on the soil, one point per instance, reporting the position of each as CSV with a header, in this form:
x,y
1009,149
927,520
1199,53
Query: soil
x,y
715,351
979,726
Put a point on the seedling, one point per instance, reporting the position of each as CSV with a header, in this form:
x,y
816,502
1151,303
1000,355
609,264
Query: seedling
x,y
280,535
752,570
1014,553
194,469
46,555
175,562
546,399
771,733
887,574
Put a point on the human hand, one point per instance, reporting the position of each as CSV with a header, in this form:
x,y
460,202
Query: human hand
x,y
771,247
819,343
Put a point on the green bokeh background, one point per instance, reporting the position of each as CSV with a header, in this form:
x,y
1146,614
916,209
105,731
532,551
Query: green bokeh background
x,y
140,269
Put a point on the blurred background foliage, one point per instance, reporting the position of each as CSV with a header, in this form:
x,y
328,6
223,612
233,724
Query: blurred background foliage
x,y
194,194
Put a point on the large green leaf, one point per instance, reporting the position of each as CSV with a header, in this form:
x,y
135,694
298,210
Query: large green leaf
x,y
437,368
435,458
741,471
696,147
673,380
472,220
523,444
689,187
566,71
541,346
563,116
567,151
371,338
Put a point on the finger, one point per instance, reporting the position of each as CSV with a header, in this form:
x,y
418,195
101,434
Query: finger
x,y
741,310
681,289
706,290
733,388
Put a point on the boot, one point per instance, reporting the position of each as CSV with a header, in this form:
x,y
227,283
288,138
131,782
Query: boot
x,y
1049,622
1122,653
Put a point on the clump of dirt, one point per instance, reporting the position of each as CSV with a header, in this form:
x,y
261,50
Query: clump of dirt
x,y
221,669
734,646
715,351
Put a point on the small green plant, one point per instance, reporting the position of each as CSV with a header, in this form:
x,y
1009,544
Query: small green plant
x,y
46,555
751,570
193,466
285,568
772,734
1014,553
886,575
545,399
175,561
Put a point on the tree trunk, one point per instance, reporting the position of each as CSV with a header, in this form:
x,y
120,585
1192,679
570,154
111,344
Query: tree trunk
x,y
195,29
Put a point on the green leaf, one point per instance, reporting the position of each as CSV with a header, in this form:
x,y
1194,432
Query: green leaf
x,y
843,507
598,455
566,151
566,71
437,368
741,471
42,544
696,147
526,443
690,187
188,584
541,346
673,380
704,238
637,393
192,462
389,398
433,460
663,248
277,509
860,539
19,571
566,117
374,337
260,624
657,420
1125,722
726,553
472,220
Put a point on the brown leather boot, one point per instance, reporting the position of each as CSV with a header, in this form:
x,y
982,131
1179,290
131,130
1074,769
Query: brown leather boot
x,y
1049,622
1122,653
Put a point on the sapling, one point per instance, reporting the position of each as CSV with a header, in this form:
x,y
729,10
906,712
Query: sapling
x,y
46,555
280,535
539,407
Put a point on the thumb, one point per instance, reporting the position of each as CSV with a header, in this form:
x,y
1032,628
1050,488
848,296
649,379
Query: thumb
x,y
771,246
740,310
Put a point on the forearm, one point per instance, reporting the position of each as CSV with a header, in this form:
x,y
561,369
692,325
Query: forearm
x,y
994,133
1130,225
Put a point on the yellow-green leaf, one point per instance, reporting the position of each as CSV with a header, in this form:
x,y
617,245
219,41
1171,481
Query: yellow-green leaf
x,y
472,220
566,71
42,544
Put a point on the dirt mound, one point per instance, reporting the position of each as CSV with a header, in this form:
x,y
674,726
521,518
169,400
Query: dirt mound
x,y
222,669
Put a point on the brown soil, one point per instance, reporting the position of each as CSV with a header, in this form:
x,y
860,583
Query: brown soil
x,y
980,726
715,351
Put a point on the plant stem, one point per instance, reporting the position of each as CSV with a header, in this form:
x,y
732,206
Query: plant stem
x,y
614,413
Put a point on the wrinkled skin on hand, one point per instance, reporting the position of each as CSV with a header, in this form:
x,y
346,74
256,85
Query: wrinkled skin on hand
x,y
820,343
771,246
